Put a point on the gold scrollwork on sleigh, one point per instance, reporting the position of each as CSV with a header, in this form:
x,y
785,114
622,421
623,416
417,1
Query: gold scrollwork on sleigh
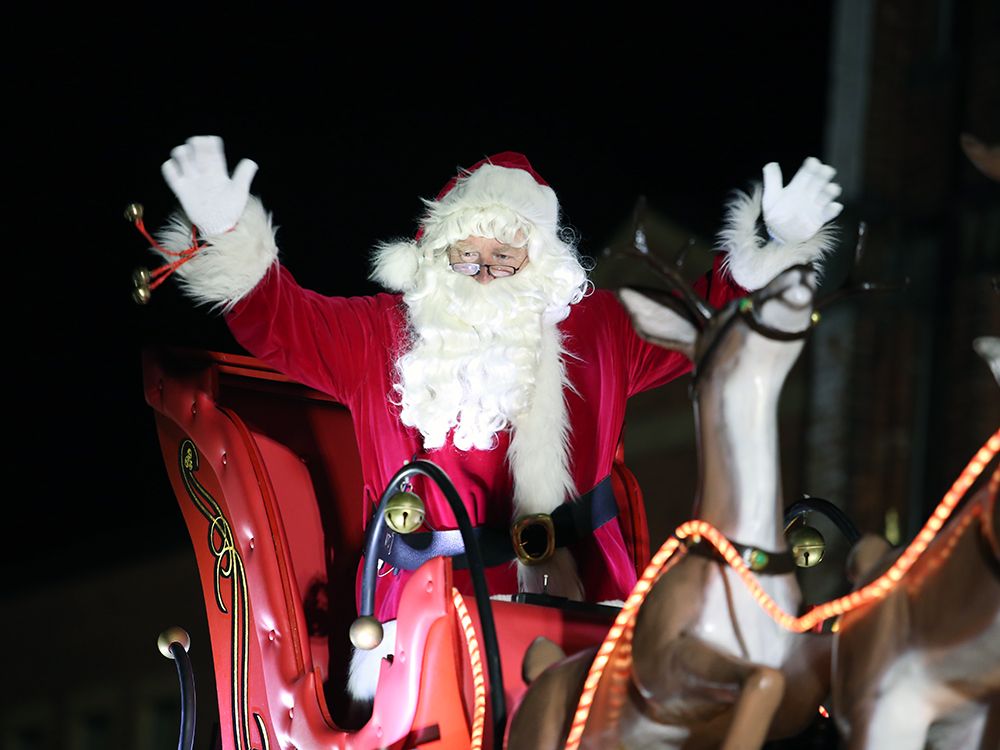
x,y
228,566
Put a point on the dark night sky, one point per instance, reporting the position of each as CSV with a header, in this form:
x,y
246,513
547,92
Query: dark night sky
x,y
350,123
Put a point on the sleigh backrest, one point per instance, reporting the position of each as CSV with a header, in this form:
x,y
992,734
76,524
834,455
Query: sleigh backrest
x,y
267,476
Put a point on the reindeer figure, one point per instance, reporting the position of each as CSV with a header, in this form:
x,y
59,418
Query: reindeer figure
x,y
922,665
708,667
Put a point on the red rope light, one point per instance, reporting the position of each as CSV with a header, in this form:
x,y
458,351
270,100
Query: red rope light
x,y
478,680
620,632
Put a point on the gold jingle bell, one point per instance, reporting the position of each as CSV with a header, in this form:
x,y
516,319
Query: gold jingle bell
x,y
366,633
133,212
808,546
404,512
141,291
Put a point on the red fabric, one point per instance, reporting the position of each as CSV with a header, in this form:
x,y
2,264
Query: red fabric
x,y
346,347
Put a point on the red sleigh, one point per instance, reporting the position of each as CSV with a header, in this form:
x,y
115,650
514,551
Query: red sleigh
x,y
267,477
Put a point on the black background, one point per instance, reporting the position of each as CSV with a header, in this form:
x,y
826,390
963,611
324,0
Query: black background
x,y
351,119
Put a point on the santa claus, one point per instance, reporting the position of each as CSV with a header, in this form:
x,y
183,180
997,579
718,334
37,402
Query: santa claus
x,y
492,356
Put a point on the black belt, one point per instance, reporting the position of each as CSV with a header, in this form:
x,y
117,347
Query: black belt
x,y
531,539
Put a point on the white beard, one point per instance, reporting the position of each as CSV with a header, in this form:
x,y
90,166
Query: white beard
x,y
473,357
488,357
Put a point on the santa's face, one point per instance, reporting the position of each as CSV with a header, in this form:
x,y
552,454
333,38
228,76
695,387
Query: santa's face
x,y
474,350
485,259
471,364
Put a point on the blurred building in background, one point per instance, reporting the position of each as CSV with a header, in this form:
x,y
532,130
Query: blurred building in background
x,y
889,400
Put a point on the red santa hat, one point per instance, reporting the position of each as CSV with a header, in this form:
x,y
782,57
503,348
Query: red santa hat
x,y
500,190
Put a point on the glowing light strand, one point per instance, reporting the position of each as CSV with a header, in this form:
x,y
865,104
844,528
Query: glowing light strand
x,y
877,589
622,622
478,680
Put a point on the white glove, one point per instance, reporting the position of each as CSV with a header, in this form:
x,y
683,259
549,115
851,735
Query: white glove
x,y
198,175
796,212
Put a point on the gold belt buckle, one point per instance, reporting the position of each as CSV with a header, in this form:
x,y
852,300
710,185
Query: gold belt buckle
x,y
528,546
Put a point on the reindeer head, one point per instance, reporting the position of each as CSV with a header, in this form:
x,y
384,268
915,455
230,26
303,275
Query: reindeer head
x,y
759,326
784,310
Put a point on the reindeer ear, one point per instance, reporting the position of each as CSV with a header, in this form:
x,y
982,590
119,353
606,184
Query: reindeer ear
x,y
658,323
988,347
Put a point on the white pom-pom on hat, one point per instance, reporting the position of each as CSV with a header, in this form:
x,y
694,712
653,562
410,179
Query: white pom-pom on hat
x,y
394,265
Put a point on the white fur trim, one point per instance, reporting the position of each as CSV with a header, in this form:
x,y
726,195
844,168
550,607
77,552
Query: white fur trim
x,y
394,265
231,264
539,458
492,189
493,201
753,263
365,666
539,447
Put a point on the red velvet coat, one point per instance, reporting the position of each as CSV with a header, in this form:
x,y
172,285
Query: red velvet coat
x,y
347,346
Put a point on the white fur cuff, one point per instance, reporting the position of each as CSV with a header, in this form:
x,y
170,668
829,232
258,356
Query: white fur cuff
x,y
231,264
752,262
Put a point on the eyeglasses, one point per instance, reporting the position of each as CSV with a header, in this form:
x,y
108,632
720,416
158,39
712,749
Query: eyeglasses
x,y
497,272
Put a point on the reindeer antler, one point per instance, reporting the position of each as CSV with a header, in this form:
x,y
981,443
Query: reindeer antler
x,y
864,286
688,303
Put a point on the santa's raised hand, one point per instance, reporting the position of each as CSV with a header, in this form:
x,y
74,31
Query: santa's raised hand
x,y
198,175
795,212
